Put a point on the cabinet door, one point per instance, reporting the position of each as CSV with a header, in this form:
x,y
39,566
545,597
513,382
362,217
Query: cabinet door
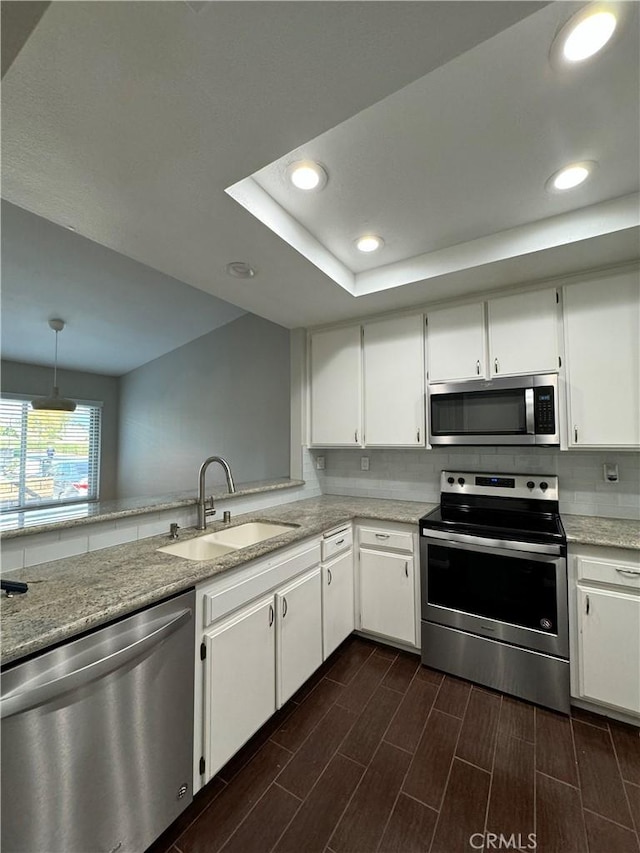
x,y
239,683
602,330
609,647
299,636
394,382
523,333
336,387
387,603
337,601
456,343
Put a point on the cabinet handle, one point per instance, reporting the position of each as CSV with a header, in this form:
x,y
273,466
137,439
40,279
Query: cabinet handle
x,y
330,577
340,541
382,535
406,568
628,571
587,607
478,367
284,607
356,436
496,365
418,435
575,434
271,615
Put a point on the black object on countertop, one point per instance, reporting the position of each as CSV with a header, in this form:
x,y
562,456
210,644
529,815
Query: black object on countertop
x,y
13,587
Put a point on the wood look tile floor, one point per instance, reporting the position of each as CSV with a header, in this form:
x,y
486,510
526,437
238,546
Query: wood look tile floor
x,y
377,753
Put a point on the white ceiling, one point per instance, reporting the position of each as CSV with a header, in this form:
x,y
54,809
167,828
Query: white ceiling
x,y
119,314
129,121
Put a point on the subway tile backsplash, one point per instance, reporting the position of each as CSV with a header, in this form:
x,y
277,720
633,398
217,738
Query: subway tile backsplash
x,y
415,474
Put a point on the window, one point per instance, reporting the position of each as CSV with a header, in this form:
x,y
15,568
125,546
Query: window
x,y
47,458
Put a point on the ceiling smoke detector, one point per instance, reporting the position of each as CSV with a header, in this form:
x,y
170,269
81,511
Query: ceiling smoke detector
x,y
240,269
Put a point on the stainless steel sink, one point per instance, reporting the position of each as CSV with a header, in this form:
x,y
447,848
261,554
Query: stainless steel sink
x,y
213,545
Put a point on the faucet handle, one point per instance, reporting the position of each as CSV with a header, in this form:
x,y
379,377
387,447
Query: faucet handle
x,y
173,530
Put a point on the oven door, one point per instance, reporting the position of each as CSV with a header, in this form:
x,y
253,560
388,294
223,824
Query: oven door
x,y
497,591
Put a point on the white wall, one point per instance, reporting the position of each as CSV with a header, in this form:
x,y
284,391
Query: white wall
x,y
415,474
227,394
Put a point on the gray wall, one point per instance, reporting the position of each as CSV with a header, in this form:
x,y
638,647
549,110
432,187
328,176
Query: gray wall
x,y
32,379
226,394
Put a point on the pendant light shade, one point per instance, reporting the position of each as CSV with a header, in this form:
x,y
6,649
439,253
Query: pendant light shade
x,y
54,403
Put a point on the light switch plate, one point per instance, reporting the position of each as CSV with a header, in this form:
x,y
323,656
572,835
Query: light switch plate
x,y
319,463
364,463
610,472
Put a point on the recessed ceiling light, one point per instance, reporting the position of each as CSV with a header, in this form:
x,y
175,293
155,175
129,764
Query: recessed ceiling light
x,y
570,176
307,175
240,269
585,34
369,243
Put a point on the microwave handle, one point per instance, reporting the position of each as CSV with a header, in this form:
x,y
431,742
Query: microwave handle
x,y
529,406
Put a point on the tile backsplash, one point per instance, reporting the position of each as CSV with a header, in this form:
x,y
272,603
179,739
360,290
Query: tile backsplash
x,y
415,474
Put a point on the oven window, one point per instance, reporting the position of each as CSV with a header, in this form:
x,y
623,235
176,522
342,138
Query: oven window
x,y
479,413
516,591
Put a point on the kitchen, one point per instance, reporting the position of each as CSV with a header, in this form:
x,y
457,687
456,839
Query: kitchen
x,y
291,368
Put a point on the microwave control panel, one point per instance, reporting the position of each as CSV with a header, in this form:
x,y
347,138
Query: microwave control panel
x,y
544,410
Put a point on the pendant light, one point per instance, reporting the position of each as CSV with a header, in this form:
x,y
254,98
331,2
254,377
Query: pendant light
x,y
54,403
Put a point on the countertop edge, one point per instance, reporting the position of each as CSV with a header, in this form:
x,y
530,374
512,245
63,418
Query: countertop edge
x,y
162,505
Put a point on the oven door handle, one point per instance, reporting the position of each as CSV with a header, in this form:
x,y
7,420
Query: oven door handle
x,y
497,546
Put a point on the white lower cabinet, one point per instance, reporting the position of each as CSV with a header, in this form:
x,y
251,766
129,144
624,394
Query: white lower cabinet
x,y
298,634
239,680
606,655
387,584
337,601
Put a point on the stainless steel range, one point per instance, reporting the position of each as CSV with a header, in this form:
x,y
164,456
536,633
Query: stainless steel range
x,y
494,585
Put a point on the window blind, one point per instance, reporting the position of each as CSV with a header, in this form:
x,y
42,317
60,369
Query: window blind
x,y
47,458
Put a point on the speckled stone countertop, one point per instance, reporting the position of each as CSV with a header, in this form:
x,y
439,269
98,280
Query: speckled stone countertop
x,y
603,532
73,515
69,596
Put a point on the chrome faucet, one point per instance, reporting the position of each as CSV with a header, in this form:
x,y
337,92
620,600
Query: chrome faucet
x,y
205,506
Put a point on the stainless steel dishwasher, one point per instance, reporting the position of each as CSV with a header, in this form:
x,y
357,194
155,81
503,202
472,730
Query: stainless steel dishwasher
x,y
97,736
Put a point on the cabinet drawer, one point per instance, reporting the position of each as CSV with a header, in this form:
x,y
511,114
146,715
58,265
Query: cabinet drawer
x,y
617,574
219,603
336,543
391,539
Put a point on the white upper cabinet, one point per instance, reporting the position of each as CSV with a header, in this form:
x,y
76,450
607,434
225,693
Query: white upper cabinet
x,y
523,333
336,387
394,382
602,328
456,347
519,337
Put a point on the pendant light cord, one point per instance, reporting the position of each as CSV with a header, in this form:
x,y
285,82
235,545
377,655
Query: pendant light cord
x,y
55,364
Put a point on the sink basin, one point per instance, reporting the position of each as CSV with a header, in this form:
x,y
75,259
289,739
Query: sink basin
x,y
198,549
250,533
213,545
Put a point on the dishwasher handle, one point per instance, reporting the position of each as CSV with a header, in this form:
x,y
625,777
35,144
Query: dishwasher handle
x,y
17,702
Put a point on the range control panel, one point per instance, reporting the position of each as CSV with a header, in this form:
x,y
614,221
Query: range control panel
x,y
540,486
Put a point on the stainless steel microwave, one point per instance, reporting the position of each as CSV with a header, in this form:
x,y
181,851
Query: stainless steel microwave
x,y
518,410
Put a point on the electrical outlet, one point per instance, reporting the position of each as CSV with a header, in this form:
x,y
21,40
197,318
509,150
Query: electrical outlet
x,y
364,463
610,472
319,463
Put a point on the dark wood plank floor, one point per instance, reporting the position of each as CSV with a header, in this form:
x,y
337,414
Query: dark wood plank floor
x,y
377,753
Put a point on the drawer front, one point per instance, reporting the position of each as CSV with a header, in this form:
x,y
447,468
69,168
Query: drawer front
x,y
618,574
334,545
218,604
393,540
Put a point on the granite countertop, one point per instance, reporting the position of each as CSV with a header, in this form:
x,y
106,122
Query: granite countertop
x,y
69,596
603,532
35,521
